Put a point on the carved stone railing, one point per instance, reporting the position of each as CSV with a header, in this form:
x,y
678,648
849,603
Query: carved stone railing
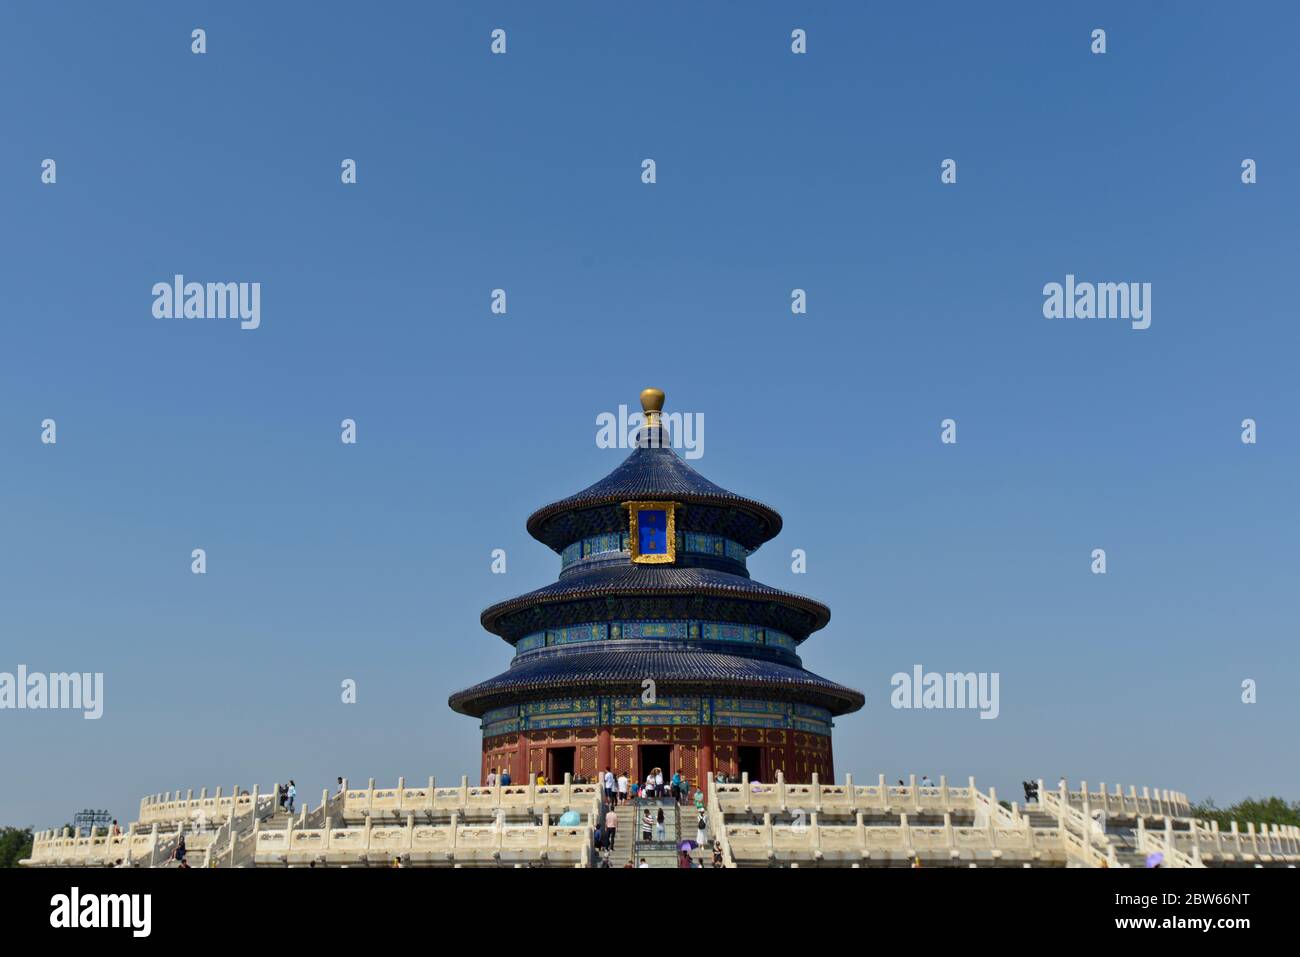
x,y
171,809
884,799
453,842
1152,802
358,804
1162,842
814,841
717,822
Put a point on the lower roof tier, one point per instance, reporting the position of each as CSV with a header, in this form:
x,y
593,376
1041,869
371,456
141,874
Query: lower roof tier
x,y
679,671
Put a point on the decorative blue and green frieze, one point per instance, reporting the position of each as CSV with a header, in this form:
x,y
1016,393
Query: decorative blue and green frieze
x,y
670,629
690,543
588,712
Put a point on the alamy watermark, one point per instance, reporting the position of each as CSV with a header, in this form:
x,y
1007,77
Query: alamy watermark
x,y
946,690
1103,300
78,691
179,299
685,431
128,911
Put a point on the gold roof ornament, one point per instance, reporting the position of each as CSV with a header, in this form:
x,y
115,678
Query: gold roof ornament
x,y
652,403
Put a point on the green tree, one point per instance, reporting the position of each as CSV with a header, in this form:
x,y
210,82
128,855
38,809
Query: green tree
x,y
1274,810
15,844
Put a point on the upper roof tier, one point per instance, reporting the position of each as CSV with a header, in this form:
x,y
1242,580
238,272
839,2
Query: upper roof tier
x,y
654,472
654,591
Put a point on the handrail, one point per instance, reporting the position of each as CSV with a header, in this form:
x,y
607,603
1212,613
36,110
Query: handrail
x,y
1083,828
718,823
1161,842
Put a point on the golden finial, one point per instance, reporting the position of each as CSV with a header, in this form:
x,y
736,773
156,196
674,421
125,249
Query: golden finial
x,y
652,403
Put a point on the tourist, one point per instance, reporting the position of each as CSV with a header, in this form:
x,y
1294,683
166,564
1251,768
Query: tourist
x,y
541,779
647,822
659,782
622,787
115,831
701,824
684,859
650,785
292,794
676,786
642,864
925,781
609,783
660,832
179,853
611,827
505,777
342,786
283,794
717,853
492,778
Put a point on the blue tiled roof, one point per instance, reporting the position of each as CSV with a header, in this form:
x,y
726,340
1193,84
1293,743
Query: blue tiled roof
x,y
657,580
619,671
653,473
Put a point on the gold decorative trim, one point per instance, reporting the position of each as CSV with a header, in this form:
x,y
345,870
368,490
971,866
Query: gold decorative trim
x,y
634,509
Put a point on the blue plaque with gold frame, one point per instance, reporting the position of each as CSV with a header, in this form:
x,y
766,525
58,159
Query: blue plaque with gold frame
x,y
652,532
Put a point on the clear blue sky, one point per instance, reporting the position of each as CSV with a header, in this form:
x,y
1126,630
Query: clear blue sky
x,y
522,171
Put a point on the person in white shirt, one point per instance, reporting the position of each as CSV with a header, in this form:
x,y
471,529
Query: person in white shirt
x,y
609,785
622,788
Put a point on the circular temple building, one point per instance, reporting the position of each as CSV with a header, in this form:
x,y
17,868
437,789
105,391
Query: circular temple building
x,y
654,647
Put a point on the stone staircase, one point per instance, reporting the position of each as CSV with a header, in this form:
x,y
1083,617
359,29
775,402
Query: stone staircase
x,y
1124,841
658,853
1038,817
279,820
626,837
219,850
